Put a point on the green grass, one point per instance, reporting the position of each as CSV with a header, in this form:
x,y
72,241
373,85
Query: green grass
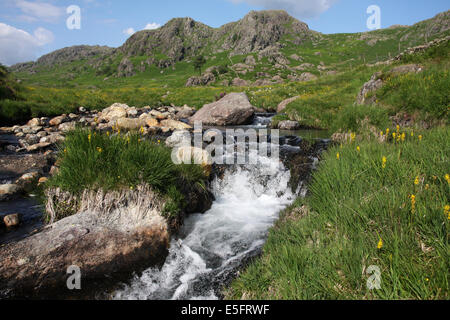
x,y
321,250
93,161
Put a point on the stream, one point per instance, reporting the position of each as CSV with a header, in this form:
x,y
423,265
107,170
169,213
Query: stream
x,y
211,247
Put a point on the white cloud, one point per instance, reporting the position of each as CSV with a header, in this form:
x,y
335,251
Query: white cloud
x,y
43,36
129,31
17,45
298,8
39,11
152,26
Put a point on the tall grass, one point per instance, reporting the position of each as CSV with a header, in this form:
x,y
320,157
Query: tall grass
x,y
361,213
93,161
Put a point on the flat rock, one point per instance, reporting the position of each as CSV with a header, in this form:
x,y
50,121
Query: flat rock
x,y
104,243
283,104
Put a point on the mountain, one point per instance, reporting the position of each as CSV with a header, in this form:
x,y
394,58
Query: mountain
x,y
263,44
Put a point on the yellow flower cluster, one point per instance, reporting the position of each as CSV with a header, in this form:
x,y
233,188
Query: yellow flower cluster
x,y
383,162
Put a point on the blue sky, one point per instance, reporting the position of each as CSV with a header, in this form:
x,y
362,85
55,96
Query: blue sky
x,y
30,28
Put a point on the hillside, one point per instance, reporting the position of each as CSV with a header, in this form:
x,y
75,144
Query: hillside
x,y
263,48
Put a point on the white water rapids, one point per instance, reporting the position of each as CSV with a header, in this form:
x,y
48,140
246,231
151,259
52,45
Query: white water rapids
x,y
212,245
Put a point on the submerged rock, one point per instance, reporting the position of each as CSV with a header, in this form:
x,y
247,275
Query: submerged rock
x,y
11,220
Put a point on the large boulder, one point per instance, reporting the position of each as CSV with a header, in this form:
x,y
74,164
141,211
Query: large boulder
x,y
113,235
233,109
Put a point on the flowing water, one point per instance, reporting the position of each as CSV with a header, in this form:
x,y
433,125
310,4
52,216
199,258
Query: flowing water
x,y
213,245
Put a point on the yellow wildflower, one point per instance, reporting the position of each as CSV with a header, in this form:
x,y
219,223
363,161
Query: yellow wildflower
x,y
427,186
100,150
358,149
398,128
447,178
387,131
447,211
416,181
380,244
420,138
107,133
394,135
89,138
338,156
413,203
412,134
384,161
403,137
352,137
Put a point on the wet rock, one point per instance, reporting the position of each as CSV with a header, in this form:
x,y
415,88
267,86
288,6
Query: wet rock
x,y
11,220
288,125
233,109
32,139
9,191
28,181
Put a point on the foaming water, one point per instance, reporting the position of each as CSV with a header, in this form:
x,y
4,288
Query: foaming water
x,y
212,245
